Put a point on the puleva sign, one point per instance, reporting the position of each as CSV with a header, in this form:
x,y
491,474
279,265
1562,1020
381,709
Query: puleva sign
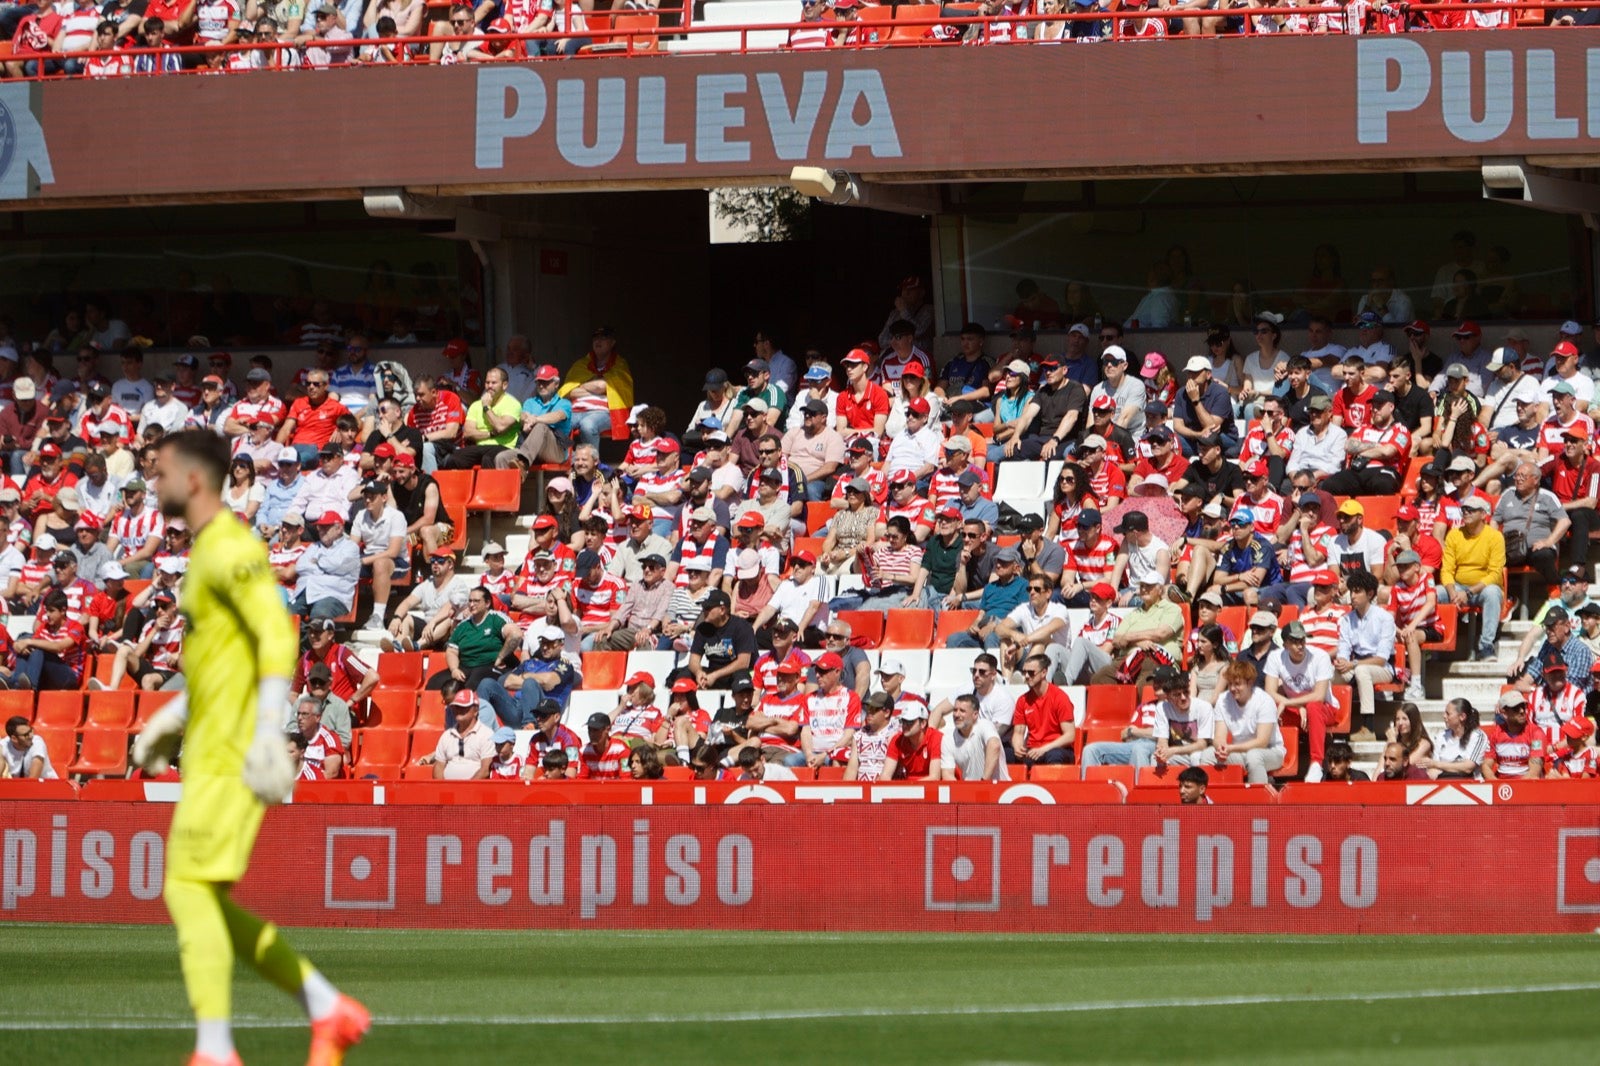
x,y
731,112
24,156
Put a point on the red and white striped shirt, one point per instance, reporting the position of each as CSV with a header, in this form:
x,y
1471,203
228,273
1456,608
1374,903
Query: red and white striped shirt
x,y
445,412
887,566
1098,632
596,605
166,643
643,722
1300,571
1268,511
1550,713
507,769
917,511
791,708
501,585
133,529
830,715
1108,481
279,555
1439,509
944,486
1254,445
1406,601
88,427
608,765
212,18
766,668
1093,564
1580,763
1322,627
1394,435
877,482
689,548
67,630
81,597
247,411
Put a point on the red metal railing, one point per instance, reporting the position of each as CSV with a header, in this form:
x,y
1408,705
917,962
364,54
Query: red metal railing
x,y
904,25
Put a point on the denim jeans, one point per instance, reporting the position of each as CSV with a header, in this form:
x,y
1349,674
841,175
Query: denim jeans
x,y
1492,600
592,426
1138,752
45,671
514,708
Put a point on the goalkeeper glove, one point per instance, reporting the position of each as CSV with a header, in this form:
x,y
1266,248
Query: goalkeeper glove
x,y
157,742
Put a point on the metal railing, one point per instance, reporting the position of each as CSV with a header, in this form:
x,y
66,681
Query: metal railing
x,y
906,25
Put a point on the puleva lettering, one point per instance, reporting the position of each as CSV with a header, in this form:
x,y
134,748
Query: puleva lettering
x,y
1478,94
736,117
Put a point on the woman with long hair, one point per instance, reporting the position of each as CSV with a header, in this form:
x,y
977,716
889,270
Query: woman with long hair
x,y
1258,368
1012,397
1227,365
561,502
243,494
1406,730
1460,747
1071,496
1210,660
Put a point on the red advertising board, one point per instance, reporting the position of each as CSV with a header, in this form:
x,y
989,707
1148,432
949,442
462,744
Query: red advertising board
x,y
869,866
1292,103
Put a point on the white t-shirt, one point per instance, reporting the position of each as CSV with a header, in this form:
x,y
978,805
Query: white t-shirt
x,y
1369,546
1142,562
373,534
430,597
18,759
1027,622
727,476
968,752
1296,679
793,600
1582,387
1198,724
997,706
1447,747
778,772
1242,722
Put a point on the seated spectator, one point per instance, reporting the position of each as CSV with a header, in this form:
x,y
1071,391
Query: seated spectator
x,y
1148,637
1005,593
869,746
637,720
1137,745
1517,748
311,419
596,385
52,657
327,572
154,659
852,530
916,753
1300,678
890,569
26,755
466,748
545,674
322,748
1247,731
480,646
1039,626
723,644
1043,722
549,735
349,678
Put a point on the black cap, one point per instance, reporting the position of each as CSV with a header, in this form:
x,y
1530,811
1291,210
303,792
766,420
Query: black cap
x,y
814,407
597,720
257,375
587,561
652,560
1556,614
715,598
331,451
700,473
98,390
1589,610
1382,396
740,682
1134,521
546,708
1030,523
373,488
1168,677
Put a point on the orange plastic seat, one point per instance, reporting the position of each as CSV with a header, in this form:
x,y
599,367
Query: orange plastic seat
x,y
148,704
1039,772
387,746
952,622
604,669
110,710
391,708
1110,704
908,628
59,710
818,514
1291,754
102,753
16,703
677,773
62,744
430,711
866,627
401,669
496,491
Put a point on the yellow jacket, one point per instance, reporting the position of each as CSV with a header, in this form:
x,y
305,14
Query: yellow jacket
x,y
619,380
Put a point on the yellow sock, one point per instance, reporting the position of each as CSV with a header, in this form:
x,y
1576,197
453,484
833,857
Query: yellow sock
x,y
259,943
205,949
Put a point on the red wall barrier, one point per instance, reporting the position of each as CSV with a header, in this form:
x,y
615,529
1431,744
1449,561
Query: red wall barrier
x,y
930,867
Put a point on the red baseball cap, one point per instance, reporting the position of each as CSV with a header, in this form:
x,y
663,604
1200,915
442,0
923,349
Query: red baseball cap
x,y
917,406
465,698
545,521
383,451
639,678
949,511
803,557
1323,579
750,520
1577,431
1103,402
914,370
666,446
788,667
49,450
1566,350
547,373
1420,328
856,355
1256,468
1467,328
1407,513
213,379
903,477
405,459
331,518
456,346
685,684
829,661
1102,591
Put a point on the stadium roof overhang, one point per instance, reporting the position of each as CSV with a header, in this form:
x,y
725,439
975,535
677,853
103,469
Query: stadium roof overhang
x,y
887,118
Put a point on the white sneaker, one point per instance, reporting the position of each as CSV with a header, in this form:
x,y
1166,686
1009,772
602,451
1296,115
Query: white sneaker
x,y
96,685
1415,692
1314,773
376,624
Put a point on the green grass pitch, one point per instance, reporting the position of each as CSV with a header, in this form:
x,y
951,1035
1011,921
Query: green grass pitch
x,y
100,994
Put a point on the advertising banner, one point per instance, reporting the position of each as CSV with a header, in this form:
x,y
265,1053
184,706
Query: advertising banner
x,y
1024,867
1291,103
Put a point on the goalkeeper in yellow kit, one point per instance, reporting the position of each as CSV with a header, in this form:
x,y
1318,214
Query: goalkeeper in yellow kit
x,y
238,656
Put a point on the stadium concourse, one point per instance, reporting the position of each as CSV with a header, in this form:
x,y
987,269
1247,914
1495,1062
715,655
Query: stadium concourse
x,y
80,38
1327,565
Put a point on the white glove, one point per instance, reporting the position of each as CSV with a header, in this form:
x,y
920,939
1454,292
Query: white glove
x,y
157,742
268,770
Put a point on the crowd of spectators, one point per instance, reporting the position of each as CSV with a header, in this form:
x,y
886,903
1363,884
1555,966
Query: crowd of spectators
x,y
65,37
1201,533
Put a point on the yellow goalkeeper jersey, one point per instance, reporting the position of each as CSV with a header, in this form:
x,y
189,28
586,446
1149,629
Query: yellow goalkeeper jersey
x,y
238,631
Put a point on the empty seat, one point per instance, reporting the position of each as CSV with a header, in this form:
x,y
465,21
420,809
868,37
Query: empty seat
x,y
110,710
392,708
952,666
1023,481
951,623
59,710
401,669
387,746
102,752
907,628
495,490
16,703
658,664
604,669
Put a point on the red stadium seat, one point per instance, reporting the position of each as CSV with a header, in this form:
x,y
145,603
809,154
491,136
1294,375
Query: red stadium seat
x,y
908,629
951,623
677,773
1123,774
386,746
1110,704
830,773
401,669
1236,620
1060,773
103,665
1291,754
62,744
497,491
604,669
1448,621
430,711
110,710
866,627
808,544
16,703
818,514
103,753
424,741
59,710
148,704
391,708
